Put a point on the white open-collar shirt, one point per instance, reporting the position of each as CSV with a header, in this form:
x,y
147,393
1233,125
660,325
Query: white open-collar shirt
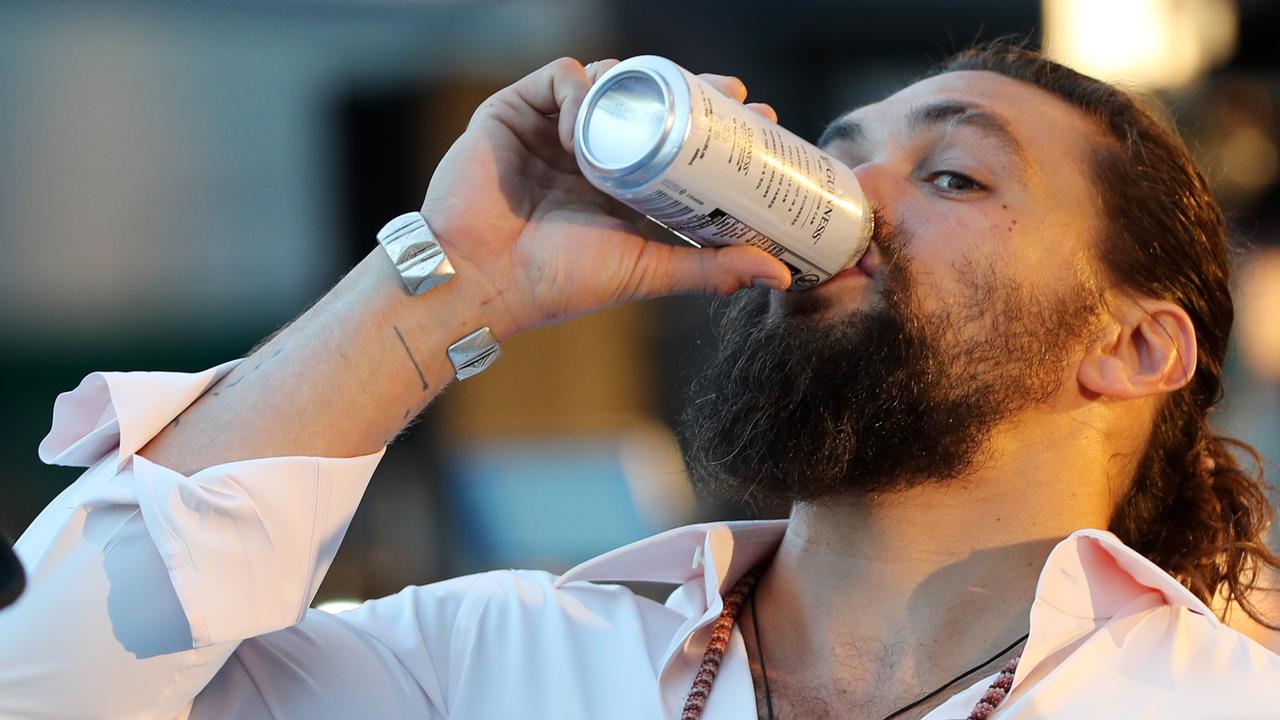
x,y
158,595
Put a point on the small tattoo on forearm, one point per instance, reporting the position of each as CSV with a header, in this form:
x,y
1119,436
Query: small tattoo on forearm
x,y
408,352
410,419
232,383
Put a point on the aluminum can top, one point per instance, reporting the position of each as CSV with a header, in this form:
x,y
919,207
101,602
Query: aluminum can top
x,y
633,122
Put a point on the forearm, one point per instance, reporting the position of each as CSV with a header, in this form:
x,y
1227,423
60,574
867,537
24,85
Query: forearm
x,y
341,381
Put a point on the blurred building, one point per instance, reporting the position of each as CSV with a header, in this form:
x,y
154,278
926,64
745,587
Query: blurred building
x,y
179,178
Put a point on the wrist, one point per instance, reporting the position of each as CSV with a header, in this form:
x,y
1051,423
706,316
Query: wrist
x,y
456,324
422,327
473,291
419,258
471,301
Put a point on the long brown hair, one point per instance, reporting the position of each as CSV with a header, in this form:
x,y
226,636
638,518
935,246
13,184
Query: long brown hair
x,y
1192,507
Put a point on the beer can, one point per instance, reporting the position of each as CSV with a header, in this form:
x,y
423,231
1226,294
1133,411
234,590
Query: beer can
x,y
659,139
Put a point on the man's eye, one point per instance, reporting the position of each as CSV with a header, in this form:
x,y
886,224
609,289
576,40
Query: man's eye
x,y
954,182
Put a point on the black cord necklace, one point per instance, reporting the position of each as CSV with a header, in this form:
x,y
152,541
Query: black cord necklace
x,y
768,697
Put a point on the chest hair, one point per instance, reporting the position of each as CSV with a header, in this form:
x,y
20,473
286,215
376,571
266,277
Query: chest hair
x,y
798,700
868,680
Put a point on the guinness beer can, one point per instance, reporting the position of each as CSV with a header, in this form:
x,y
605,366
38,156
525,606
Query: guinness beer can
x,y
656,137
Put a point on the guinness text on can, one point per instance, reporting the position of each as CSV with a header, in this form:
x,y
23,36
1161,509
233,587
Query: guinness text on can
x,y
656,137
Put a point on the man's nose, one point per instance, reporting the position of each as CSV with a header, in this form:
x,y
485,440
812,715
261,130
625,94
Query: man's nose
x,y
877,184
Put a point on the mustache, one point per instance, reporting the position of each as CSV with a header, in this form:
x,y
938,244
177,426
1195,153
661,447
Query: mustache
x,y
895,277
889,236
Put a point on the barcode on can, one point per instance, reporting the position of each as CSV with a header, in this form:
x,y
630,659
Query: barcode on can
x,y
767,245
723,225
719,228
664,208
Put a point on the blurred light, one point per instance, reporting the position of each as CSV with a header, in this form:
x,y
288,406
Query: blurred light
x,y
1249,158
1258,307
339,605
1151,43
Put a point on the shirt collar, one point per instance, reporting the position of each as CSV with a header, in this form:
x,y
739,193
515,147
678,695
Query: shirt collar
x,y
720,553
705,560
1090,574
1089,577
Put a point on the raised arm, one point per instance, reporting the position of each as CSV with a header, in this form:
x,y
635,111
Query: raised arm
x,y
533,244
215,502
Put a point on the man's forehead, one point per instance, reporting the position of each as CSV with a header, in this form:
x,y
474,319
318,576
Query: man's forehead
x,y
991,90
1034,116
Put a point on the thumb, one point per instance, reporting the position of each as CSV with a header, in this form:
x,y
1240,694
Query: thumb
x,y
712,271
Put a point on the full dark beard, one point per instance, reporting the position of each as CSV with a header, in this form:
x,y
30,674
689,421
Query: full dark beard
x,y
797,409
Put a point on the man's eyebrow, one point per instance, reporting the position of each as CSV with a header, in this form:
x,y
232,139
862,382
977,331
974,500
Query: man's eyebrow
x,y
843,128
946,112
955,114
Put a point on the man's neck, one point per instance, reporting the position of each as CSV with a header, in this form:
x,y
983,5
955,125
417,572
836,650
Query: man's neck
x,y
890,596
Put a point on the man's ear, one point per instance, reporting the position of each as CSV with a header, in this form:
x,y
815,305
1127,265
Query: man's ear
x,y
1147,347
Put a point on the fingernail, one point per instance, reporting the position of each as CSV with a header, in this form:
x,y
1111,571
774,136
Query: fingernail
x,y
766,282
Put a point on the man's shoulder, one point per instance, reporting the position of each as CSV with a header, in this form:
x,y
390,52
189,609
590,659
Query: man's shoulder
x,y
1153,660
1203,651
1208,667
528,594
521,613
534,594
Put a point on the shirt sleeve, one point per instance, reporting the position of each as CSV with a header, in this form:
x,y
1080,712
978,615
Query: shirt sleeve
x,y
393,657
142,581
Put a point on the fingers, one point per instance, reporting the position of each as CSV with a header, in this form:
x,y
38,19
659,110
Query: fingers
x,y
736,89
551,86
557,88
674,270
599,67
727,84
764,109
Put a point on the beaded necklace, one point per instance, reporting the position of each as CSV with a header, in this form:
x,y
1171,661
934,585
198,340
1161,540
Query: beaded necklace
x,y
722,630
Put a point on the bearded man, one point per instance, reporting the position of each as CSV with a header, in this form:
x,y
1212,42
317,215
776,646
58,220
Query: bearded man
x,y
1006,500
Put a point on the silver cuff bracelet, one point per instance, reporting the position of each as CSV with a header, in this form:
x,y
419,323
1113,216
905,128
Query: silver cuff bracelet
x,y
416,252
422,264
474,353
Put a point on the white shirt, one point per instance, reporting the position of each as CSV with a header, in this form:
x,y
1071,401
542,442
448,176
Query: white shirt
x,y
155,595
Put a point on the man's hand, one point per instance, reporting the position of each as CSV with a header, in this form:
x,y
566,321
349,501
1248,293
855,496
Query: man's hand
x,y
533,243
511,207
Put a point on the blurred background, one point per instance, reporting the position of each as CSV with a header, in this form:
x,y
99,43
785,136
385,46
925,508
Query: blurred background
x,y
179,178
